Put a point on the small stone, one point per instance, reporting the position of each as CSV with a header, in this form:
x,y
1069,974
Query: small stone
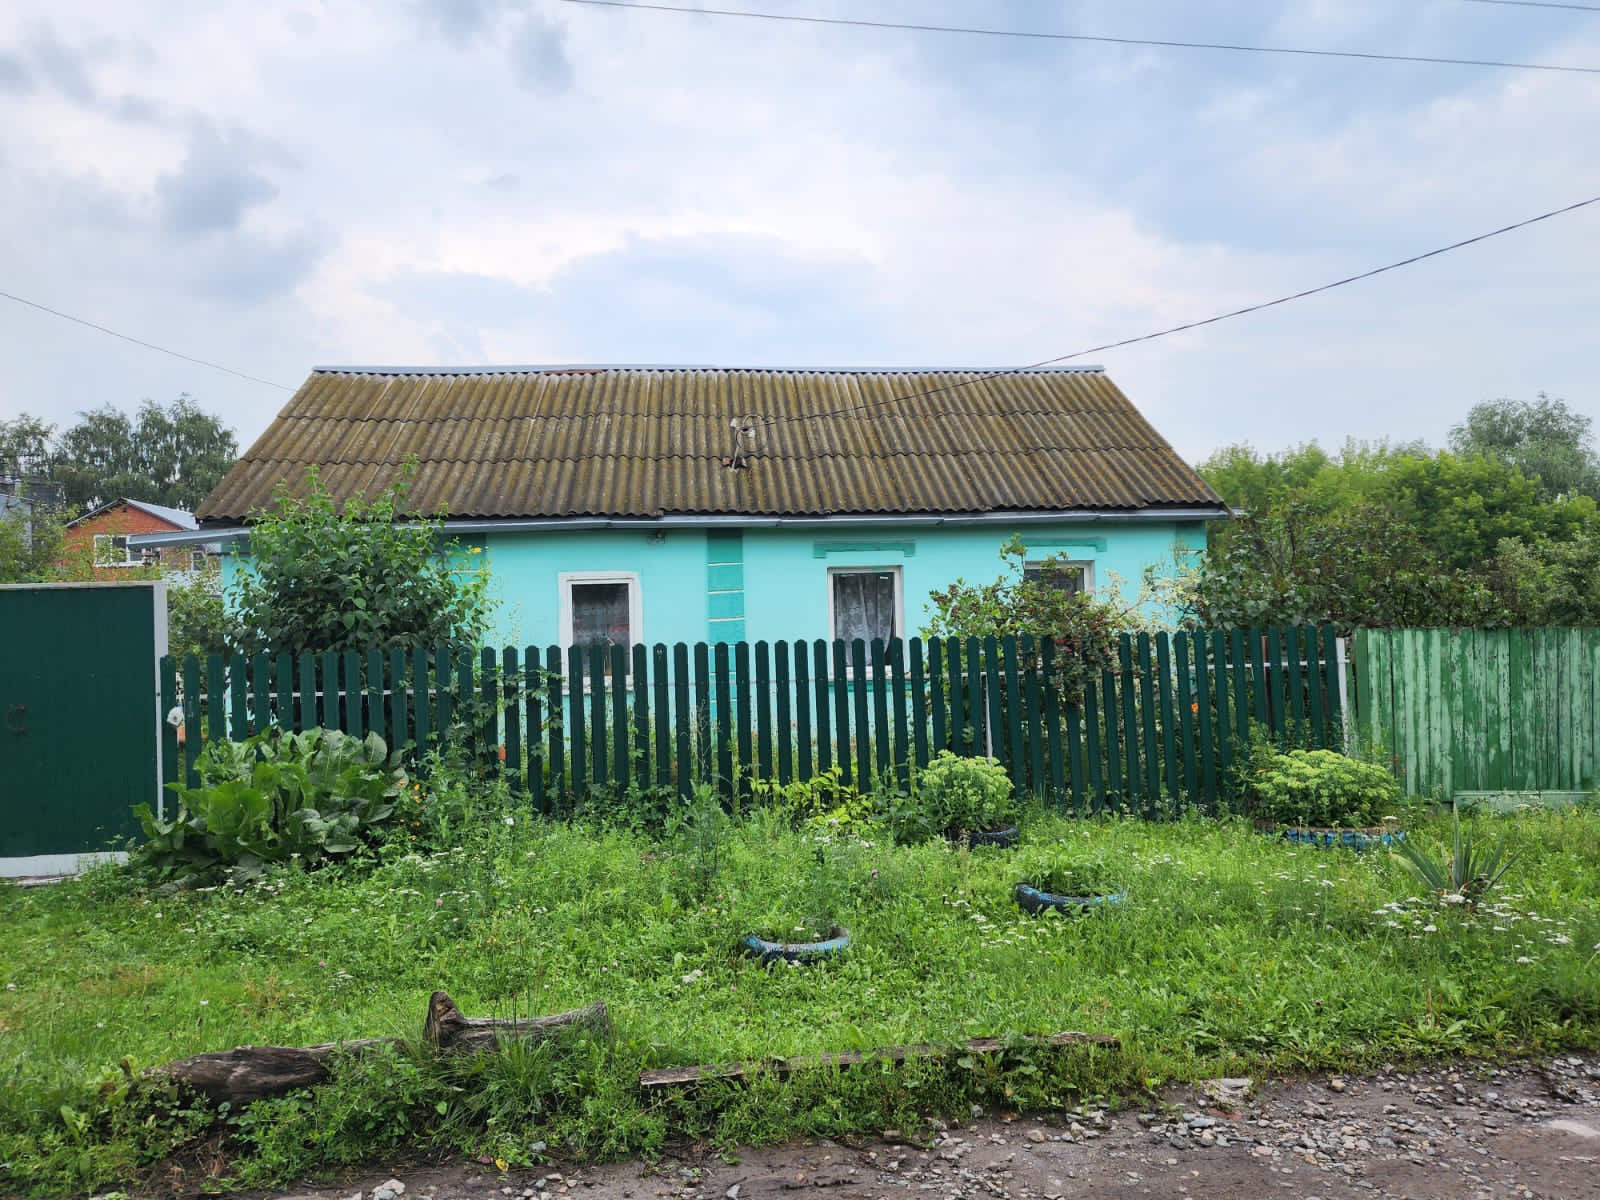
x,y
1336,1084
732,1193
1035,1134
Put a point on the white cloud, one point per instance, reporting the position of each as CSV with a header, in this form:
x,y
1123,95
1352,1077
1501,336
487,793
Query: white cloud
x,y
392,184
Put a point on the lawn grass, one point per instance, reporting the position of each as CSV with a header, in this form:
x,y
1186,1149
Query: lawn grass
x,y
1231,953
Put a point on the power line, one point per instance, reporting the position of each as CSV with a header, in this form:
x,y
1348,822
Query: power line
x,y
1540,4
1079,37
1161,333
139,342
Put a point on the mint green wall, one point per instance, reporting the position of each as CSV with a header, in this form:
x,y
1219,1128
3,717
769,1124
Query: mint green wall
x,y
773,583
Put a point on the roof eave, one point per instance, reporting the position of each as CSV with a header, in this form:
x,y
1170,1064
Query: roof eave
x,y
1192,512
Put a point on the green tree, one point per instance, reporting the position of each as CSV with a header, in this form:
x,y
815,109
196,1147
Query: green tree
x,y
1553,583
30,541
197,619
1356,565
1462,507
1544,438
326,576
24,447
172,456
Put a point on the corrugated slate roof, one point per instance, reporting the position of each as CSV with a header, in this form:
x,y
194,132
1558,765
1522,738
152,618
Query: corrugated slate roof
x,y
651,441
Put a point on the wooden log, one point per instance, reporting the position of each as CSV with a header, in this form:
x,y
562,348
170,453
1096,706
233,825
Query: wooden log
x,y
783,1067
248,1073
448,1029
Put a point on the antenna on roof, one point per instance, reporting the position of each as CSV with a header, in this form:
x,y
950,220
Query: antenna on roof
x,y
744,439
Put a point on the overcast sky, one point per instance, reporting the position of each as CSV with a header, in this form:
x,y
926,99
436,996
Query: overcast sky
x,y
282,185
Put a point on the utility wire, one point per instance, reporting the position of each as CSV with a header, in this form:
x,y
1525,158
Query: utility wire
x,y
1150,337
1079,37
139,342
1540,4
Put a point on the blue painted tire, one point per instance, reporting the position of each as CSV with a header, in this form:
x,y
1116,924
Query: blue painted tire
x,y
1002,839
1031,900
837,941
1350,839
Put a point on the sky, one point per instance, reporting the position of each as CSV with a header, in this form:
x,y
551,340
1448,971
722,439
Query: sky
x,y
273,187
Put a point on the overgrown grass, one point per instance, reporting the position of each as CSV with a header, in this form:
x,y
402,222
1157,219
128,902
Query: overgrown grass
x,y
1231,954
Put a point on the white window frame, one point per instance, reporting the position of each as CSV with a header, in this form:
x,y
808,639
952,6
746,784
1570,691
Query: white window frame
x,y
1085,564
566,580
109,540
895,569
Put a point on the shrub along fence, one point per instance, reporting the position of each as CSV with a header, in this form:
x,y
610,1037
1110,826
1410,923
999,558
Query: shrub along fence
x,y
1159,730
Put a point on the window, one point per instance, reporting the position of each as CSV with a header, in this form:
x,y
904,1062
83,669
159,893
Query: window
x,y
865,603
197,560
1062,575
111,550
600,606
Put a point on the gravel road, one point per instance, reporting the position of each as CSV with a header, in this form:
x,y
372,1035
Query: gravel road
x,y
1526,1131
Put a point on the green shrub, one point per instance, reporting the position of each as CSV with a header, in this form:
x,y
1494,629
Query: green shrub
x,y
274,798
952,796
826,802
1068,874
1321,788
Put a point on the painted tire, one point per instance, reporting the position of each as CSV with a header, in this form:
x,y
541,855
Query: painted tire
x,y
1002,839
1032,900
1350,839
837,941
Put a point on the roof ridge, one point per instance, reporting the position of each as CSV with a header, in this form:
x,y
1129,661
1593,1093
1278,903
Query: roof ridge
x,y
600,368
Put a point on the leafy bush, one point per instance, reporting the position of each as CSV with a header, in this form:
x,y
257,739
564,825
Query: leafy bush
x,y
1083,627
1320,788
326,575
1067,874
952,796
273,798
825,802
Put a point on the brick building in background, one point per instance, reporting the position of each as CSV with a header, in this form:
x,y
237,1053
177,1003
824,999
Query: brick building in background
x,y
101,536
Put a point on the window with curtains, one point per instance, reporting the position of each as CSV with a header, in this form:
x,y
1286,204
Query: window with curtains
x,y
600,607
865,603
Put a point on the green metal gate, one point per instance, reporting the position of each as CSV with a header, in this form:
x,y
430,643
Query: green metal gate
x,y
78,717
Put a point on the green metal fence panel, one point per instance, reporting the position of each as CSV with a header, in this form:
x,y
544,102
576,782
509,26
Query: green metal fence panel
x,y
841,713
925,707
511,718
883,750
724,715
902,718
763,694
683,717
802,711
663,714
858,706
81,717
740,778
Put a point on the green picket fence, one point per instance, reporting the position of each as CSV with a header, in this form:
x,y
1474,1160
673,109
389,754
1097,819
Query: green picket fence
x,y
1158,731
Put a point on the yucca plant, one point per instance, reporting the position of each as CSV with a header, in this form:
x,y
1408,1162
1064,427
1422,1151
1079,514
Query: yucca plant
x,y
1463,878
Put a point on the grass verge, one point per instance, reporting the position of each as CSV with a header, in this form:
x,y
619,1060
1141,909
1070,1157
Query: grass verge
x,y
1230,954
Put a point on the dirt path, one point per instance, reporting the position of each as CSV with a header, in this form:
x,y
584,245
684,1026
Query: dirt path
x,y
1530,1131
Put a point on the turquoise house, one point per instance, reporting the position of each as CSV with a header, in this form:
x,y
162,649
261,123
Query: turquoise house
x,y
668,504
